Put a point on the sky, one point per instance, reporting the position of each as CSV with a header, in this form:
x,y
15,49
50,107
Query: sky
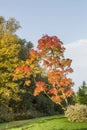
x,y
67,19
77,51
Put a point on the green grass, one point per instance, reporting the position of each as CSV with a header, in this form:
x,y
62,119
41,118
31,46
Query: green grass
x,y
48,123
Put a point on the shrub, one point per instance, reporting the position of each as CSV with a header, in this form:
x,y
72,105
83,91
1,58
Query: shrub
x,y
6,114
76,113
28,115
22,116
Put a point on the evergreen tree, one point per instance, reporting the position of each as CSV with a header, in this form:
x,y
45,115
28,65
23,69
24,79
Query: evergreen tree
x,y
81,96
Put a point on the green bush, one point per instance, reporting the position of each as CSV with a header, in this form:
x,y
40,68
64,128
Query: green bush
x,y
22,116
76,113
6,114
28,115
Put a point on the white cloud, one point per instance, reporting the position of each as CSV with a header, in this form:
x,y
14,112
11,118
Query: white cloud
x,y
77,51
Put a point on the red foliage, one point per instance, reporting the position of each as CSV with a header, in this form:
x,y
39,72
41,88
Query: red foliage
x,y
33,54
51,52
53,91
48,41
40,86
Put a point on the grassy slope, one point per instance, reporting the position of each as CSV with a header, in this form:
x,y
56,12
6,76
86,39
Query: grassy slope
x,y
48,123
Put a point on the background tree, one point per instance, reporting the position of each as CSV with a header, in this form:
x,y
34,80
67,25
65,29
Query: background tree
x,y
13,51
24,49
50,52
81,95
9,26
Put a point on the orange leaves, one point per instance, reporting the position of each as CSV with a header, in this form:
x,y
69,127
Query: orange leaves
x,y
52,61
33,54
53,91
56,99
66,62
27,70
40,86
55,76
24,69
69,93
48,41
66,82
47,44
38,90
50,54
22,72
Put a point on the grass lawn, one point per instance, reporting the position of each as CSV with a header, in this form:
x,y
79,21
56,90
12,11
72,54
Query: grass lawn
x,y
48,123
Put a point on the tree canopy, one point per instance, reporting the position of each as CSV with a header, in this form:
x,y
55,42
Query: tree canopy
x,y
9,48
49,53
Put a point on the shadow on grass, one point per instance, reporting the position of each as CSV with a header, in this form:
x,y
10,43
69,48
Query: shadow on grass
x,y
52,118
37,121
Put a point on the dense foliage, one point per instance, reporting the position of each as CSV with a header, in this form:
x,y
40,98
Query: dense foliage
x,y
49,53
8,59
16,98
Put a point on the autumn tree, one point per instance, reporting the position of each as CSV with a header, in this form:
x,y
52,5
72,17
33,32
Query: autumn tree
x,y
9,48
49,53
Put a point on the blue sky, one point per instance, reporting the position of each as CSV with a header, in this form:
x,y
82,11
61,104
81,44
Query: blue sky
x,y
66,19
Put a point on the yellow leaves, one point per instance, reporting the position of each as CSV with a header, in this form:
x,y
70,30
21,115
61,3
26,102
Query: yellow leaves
x,y
8,61
9,51
30,62
9,39
7,94
36,71
33,54
27,82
